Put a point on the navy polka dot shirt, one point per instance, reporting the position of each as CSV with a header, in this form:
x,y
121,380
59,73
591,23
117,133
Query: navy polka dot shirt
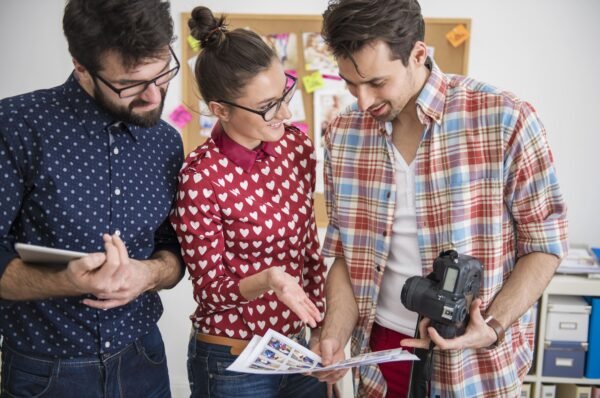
x,y
70,173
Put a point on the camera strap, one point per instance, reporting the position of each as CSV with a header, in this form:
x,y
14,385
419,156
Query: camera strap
x,y
428,365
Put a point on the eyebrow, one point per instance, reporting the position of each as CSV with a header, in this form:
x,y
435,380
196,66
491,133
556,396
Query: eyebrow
x,y
372,80
269,100
134,81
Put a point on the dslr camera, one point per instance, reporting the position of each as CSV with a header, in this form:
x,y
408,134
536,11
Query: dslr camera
x,y
445,295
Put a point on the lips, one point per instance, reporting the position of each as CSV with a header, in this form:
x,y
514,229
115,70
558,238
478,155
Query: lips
x,y
377,111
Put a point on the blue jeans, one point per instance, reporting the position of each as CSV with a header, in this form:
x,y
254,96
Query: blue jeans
x,y
208,378
138,371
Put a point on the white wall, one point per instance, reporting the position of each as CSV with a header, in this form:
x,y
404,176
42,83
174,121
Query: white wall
x,y
545,51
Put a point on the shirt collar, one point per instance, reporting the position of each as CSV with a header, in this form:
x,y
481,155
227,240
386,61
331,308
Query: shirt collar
x,y
238,154
93,118
431,99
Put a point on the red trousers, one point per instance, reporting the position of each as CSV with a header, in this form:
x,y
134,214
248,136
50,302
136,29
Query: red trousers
x,y
396,374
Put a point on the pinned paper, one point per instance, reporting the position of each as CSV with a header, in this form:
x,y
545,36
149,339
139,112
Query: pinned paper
x,y
194,44
313,82
458,35
180,116
301,126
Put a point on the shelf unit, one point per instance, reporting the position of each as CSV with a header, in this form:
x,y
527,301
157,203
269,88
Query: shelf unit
x,y
566,285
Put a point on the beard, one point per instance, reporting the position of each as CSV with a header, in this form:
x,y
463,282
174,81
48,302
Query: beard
x,y
127,113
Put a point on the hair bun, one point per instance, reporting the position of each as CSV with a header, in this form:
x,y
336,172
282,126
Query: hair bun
x,y
205,28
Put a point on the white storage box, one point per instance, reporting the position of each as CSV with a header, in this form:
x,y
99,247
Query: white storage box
x,y
568,318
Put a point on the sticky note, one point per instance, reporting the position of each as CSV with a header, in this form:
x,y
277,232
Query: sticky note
x,y
313,82
180,116
457,35
194,44
301,126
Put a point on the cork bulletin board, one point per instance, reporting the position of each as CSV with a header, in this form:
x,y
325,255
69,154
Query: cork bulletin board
x,y
450,59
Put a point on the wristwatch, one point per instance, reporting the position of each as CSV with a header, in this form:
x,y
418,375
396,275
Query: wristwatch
x,y
498,329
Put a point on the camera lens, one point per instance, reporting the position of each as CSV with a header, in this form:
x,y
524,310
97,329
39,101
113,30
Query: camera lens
x,y
403,294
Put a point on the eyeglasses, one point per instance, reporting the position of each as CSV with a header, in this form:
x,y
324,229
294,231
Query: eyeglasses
x,y
138,88
269,113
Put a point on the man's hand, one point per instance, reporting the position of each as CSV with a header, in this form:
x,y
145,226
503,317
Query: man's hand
x,y
112,277
331,351
477,335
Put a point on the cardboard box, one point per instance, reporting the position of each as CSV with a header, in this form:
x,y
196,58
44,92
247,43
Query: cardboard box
x,y
568,318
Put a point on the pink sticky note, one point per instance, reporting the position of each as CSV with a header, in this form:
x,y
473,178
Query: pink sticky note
x,y
301,126
180,116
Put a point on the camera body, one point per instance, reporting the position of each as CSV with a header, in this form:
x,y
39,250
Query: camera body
x,y
445,295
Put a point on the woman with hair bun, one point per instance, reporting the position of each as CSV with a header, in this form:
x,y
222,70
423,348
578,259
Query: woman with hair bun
x,y
244,217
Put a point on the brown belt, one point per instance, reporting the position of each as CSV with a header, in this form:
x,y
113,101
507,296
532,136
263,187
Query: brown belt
x,y
237,346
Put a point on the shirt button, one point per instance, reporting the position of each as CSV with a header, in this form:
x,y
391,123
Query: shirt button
x,y
389,194
117,191
118,232
384,233
378,268
116,151
107,344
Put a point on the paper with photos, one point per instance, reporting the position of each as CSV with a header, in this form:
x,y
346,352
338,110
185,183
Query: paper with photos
x,y
275,353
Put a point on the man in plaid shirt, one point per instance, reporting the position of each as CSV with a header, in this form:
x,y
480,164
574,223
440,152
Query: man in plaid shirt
x,y
424,162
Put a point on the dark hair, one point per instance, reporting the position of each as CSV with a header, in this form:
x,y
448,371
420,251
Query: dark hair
x,y
135,29
348,25
228,60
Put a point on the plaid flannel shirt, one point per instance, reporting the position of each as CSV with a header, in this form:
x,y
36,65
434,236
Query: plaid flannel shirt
x,y
485,184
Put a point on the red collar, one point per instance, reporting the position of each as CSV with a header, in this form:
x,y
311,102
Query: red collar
x,y
238,154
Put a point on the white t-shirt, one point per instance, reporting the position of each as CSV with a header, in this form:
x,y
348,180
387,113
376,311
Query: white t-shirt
x,y
404,259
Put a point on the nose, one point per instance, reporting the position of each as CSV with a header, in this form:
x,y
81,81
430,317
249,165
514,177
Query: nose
x,y
284,111
151,94
364,98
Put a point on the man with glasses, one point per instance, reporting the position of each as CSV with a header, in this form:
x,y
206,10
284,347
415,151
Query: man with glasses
x,y
89,166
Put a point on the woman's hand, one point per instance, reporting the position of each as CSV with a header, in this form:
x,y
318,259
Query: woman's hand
x,y
289,292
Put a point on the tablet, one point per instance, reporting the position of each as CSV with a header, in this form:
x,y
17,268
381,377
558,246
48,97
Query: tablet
x,y
46,255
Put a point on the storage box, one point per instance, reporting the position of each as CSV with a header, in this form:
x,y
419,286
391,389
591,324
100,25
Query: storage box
x,y
573,391
592,366
526,390
564,359
548,391
568,318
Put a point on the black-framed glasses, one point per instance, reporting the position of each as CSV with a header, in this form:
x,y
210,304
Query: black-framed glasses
x,y
138,88
269,113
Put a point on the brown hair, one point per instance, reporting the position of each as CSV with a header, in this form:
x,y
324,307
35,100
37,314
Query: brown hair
x,y
229,59
135,29
348,25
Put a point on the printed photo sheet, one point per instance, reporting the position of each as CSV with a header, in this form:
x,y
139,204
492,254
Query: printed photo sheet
x,y
275,353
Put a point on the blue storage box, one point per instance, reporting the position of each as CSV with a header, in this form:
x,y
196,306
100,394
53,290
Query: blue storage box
x,y
592,367
564,358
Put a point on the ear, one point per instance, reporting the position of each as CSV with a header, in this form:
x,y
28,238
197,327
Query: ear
x,y
83,75
80,70
219,110
419,53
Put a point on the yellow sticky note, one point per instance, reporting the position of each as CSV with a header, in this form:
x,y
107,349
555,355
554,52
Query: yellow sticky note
x,y
313,82
194,44
457,35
